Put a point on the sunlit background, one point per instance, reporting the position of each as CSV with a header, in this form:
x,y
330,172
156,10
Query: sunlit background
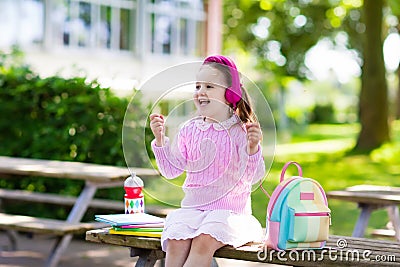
x,y
306,56
124,43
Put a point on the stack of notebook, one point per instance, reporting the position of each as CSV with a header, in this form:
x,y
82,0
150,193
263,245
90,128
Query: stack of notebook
x,y
138,224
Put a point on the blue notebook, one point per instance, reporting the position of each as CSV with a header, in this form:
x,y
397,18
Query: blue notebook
x,y
128,219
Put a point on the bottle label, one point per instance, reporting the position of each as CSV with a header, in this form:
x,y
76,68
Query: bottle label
x,y
134,205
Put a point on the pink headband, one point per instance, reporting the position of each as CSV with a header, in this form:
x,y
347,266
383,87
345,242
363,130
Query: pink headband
x,y
233,94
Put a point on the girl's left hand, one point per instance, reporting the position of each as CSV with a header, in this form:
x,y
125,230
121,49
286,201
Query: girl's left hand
x,y
254,136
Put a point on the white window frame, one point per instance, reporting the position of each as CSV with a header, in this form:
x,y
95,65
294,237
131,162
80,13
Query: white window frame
x,y
141,38
95,14
176,13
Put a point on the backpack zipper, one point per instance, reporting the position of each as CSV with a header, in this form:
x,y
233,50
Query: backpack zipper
x,y
315,214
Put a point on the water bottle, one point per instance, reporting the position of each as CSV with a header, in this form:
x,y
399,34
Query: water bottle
x,y
133,199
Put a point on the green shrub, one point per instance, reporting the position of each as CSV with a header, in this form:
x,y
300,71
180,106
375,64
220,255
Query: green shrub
x,y
57,118
323,114
61,119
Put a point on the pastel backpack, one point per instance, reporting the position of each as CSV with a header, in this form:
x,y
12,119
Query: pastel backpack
x,y
298,216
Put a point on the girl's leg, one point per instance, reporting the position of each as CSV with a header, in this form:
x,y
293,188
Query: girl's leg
x,y
177,252
202,251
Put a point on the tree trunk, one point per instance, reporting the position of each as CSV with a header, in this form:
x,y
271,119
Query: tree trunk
x,y
374,93
397,115
397,102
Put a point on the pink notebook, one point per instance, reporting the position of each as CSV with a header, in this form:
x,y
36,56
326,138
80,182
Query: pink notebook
x,y
146,225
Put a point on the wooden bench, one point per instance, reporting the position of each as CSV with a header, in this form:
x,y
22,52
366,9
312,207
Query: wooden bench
x,y
44,225
95,176
370,198
339,251
55,199
13,223
19,223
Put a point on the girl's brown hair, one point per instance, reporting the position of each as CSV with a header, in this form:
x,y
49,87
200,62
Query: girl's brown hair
x,y
244,108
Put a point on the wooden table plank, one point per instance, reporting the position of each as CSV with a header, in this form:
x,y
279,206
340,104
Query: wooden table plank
x,y
339,250
376,198
64,200
370,198
68,169
102,236
43,225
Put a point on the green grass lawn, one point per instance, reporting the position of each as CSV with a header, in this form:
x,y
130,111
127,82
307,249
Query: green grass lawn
x,y
322,151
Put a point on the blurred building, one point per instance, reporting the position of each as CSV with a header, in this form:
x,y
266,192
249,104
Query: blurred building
x,y
118,42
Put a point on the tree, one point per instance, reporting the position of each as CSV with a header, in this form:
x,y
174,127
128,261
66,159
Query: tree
x,y
373,104
395,8
293,27
397,115
279,33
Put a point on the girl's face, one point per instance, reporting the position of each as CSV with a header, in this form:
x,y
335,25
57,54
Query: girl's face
x,y
209,95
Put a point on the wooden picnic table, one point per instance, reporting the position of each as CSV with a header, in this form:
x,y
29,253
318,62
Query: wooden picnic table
x,y
95,177
370,198
339,251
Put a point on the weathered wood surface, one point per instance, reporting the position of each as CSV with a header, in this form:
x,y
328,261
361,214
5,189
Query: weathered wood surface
x,y
102,236
370,198
44,225
95,177
68,169
339,251
384,232
104,204
366,194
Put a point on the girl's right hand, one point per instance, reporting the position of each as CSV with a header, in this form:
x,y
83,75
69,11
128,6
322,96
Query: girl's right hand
x,y
157,127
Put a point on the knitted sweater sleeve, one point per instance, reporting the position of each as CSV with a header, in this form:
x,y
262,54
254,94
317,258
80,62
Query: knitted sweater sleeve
x,y
257,166
254,164
171,158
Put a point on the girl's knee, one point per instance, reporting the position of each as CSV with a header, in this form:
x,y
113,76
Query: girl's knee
x,y
205,242
205,238
178,245
202,250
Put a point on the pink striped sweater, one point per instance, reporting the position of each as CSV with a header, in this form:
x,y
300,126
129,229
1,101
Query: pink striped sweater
x,y
219,172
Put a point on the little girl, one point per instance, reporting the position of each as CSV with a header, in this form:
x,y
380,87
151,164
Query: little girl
x,y
221,153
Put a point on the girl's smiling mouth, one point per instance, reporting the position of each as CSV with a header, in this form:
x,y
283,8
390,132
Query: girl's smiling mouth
x,y
204,102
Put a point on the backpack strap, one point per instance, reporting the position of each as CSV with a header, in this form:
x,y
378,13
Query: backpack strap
x,y
265,191
287,165
283,175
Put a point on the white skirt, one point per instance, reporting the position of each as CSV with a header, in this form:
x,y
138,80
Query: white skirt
x,y
225,226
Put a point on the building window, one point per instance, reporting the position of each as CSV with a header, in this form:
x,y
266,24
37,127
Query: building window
x,y
173,26
166,27
99,24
